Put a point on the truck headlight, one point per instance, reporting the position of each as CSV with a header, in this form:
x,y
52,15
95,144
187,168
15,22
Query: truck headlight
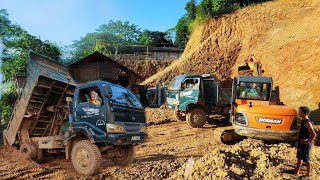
x,y
175,102
143,129
113,128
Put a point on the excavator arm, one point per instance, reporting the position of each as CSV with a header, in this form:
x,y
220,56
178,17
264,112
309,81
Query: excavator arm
x,y
251,68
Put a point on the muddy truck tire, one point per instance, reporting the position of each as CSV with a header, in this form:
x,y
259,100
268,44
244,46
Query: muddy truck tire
x,y
178,116
86,158
29,149
196,118
40,153
124,156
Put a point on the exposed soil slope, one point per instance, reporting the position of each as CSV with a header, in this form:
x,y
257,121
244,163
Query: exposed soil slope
x,y
284,35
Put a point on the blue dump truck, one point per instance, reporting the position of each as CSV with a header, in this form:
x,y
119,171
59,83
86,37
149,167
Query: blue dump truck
x,y
195,97
50,100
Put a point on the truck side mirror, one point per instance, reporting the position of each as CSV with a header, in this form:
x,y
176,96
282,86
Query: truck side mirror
x,y
108,92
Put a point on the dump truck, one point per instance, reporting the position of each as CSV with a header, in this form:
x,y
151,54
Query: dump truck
x,y
256,109
194,97
50,97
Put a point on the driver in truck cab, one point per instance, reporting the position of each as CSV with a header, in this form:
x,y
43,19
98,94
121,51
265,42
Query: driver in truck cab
x,y
252,92
193,84
94,98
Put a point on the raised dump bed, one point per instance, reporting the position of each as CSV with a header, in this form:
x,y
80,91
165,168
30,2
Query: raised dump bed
x,y
38,111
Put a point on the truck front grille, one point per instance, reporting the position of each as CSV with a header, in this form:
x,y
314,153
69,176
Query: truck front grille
x,y
240,119
132,127
132,124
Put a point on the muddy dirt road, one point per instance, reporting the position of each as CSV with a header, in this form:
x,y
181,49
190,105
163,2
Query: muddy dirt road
x,y
165,153
169,145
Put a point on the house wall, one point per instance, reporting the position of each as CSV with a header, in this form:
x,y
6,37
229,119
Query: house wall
x,y
89,71
163,55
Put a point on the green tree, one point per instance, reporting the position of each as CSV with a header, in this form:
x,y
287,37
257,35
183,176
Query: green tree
x,y
182,32
17,43
170,35
191,9
148,36
108,38
125,32
204,9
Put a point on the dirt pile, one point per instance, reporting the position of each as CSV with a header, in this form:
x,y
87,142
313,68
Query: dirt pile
x,y
157,116
249,159
146,68
14,165
284,35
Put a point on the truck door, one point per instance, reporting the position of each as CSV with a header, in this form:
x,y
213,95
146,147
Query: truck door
x,y
190,91
90,110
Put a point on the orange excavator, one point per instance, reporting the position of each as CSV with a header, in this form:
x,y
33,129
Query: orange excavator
x,y
256,110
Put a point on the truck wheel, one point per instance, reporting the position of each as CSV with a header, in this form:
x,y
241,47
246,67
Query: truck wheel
x,y
124,156
86,157
225,112
39,151
178,116
29,149
196,118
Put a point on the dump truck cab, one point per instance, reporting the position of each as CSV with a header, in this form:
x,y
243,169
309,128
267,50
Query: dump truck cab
x,y
195,97
111,121
253,114
118,119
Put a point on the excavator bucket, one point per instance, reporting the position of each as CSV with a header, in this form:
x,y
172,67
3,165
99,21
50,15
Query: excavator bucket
x,y
251,68
245,71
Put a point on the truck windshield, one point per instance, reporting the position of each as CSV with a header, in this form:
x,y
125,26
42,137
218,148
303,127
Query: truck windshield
x,y
125,97
254,91
176,83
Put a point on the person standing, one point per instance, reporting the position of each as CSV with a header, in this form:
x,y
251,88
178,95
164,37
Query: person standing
x,y
306,135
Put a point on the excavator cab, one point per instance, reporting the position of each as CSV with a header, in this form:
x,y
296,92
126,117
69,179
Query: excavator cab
x,y
253,115
256,109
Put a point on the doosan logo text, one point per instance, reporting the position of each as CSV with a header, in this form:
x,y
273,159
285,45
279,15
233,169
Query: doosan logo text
x,y
270,121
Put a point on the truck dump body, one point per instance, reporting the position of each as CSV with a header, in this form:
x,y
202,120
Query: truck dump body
x,y
36,112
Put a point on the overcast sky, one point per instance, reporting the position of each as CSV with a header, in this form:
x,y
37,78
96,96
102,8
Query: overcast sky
x,y
63,21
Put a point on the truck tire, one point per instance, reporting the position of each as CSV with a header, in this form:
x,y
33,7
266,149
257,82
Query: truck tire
x,y
86,157
40,152
178,116
225,112
29,149
126,156
196,118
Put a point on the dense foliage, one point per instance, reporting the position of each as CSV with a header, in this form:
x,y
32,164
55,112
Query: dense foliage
x,y
115,37
17,43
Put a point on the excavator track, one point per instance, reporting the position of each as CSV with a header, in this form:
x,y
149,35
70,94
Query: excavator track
x,y
227,135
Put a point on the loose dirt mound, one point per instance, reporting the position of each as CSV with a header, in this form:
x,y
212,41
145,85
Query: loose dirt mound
x,y
284,35
145,68
249,159
157,116
14,165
